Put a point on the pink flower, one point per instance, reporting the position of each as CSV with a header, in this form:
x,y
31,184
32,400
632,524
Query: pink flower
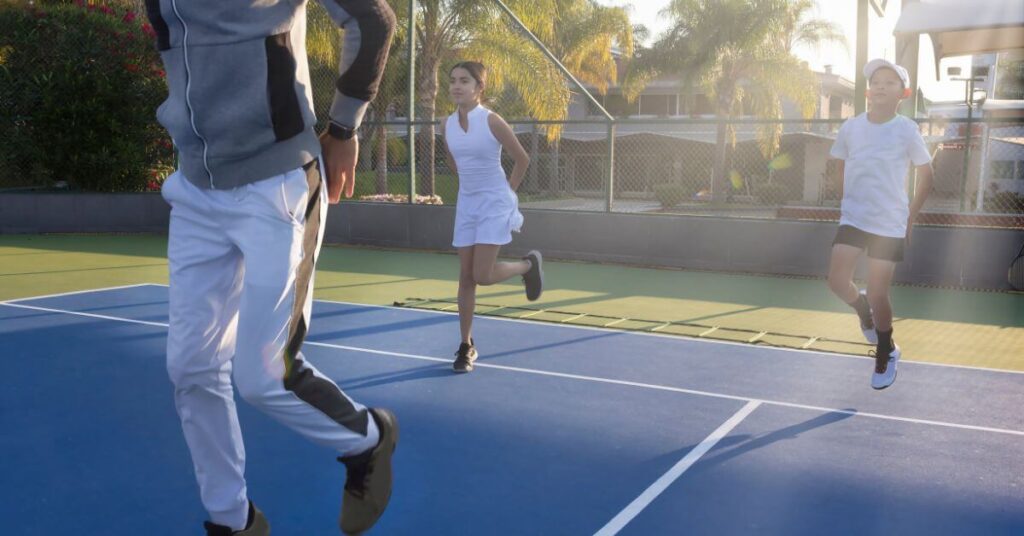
x,y
148,30
129,17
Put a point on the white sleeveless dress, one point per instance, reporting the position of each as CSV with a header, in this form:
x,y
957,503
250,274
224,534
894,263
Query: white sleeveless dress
x,y
487,211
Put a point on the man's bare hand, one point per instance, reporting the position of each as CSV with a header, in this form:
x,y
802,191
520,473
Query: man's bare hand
x,y
340,158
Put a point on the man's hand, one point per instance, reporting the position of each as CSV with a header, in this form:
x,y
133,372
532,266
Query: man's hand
x,y
340,158
910,229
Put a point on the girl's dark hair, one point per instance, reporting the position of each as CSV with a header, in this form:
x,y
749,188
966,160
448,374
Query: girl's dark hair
x,y
476,70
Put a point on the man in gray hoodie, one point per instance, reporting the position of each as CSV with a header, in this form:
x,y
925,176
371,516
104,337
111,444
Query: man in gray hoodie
x,y
248,205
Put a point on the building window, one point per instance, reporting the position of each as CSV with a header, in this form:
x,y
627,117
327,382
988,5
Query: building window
x,y
659,105
618,107
703,106
835,107
1002,169
591,109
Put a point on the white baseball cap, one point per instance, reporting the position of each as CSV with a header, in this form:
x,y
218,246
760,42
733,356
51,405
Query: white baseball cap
x,y
879,63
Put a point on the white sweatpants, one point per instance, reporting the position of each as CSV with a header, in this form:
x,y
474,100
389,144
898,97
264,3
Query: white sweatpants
x,y
241,287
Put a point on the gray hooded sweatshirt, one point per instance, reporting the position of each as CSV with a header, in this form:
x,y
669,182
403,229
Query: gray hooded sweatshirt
x,y
240,104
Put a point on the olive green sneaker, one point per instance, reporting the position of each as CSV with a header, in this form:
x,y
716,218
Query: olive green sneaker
x,y
255,526
368,478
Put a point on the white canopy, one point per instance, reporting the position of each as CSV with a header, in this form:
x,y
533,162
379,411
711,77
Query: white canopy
x,y
965,27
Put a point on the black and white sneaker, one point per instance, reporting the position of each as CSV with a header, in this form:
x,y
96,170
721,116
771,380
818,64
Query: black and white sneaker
x,y
255,526
886,362
867,323
465,357
533,279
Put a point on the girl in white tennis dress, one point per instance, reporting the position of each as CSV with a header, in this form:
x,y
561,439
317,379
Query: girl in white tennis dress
x,y
487,211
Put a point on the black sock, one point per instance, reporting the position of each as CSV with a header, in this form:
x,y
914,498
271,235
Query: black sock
x,y
885,339
861,306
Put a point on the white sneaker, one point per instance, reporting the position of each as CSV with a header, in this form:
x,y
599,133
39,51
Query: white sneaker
x,y
867,327
881,380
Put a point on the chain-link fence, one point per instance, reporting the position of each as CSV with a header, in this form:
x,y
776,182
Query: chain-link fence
x,y
636,164
681,165
669,166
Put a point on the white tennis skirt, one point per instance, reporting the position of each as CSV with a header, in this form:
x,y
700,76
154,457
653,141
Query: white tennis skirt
x,y
487,211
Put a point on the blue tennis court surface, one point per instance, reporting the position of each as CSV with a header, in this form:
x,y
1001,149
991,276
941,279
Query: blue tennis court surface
x,y
560,430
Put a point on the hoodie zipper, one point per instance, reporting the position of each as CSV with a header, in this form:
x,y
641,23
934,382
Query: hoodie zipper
x,y
188,89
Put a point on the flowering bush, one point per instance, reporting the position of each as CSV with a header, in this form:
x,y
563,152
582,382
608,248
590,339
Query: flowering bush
x,y
399,198
79,87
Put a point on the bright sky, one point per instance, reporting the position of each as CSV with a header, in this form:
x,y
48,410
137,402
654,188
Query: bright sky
x,y
844,12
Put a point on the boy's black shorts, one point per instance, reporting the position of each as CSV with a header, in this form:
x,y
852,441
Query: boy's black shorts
x,y
884,248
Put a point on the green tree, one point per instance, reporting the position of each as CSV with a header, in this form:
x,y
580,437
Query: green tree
x,y
740,53
580,33
323,46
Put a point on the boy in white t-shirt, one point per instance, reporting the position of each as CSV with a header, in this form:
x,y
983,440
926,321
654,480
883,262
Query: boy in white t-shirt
x,y
875,150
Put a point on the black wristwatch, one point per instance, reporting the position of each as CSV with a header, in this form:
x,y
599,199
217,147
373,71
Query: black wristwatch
x,y
340,132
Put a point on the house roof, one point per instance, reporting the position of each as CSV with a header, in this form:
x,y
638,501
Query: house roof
x,y
960,27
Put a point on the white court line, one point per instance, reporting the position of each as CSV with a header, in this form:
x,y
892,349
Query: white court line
x,y
521,319
16,300
88,315
595,379
647,497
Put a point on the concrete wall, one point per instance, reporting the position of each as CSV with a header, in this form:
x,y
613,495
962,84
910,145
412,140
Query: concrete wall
x,y
971,257
32,212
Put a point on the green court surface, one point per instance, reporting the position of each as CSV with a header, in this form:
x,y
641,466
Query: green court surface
x,y
962,327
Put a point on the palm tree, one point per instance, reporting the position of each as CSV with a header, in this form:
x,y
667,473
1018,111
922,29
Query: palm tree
x,y
579,32
800,30
738,51
585,41
324,50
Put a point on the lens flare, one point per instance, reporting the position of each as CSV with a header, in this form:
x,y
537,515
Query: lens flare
x,y
783,161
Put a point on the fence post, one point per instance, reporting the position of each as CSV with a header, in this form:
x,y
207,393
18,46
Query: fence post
x,y
967,147
610,179
983,172
531,179
411,131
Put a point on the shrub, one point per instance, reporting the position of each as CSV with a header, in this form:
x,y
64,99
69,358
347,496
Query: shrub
x,y
669,195
402,198
79,88
398,152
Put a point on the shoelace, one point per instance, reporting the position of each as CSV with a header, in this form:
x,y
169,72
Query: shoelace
x,y
359,470
881,363
463,356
